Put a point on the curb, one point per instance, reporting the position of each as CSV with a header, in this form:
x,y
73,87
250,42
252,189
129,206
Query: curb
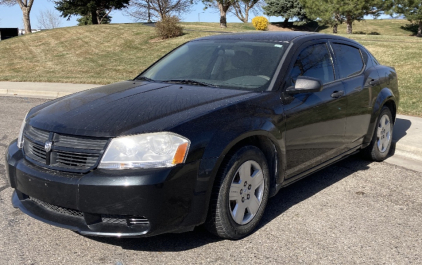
x,y
33,93
408,151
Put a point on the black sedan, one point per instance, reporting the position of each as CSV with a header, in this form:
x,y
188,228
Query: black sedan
x,y
206,135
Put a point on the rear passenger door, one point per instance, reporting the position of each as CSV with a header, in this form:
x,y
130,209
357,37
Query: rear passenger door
x,y
359,79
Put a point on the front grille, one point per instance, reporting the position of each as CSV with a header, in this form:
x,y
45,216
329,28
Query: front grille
x,y
57,209
36,135
68,153
35,151
79,142
75,160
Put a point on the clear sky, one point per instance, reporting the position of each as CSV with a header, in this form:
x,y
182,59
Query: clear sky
x,y
11,17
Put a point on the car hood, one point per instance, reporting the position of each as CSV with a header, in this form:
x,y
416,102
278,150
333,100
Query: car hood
x,y
130,107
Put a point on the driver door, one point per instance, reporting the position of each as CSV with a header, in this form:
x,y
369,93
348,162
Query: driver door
x,y
315,122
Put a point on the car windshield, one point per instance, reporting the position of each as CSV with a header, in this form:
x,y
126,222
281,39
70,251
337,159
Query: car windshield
x,y
247,65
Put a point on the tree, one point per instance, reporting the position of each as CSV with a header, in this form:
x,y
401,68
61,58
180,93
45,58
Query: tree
x,y
287,9
48,19
338,11
241,9
145,9
411,9
87,20
26,6
223,6
98,10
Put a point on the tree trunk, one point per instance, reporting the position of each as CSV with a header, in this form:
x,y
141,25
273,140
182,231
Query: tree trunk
x,y
223,12
245,20
419,29
149,11
286,20
335,28
26,20
349,22
99,18
94,18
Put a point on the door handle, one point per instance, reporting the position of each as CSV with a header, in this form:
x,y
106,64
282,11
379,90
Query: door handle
x,y
337,94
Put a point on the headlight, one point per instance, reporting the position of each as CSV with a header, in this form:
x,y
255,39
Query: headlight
x,y
149,150
20,137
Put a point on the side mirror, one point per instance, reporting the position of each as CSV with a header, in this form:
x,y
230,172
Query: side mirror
x,y
305,84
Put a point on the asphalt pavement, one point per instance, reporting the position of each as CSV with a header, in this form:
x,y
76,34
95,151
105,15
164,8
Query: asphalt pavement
x,y
352,212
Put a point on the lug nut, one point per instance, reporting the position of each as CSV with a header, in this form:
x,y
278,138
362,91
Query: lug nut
x,y
241,191
249,187
248,197
243,199
246,183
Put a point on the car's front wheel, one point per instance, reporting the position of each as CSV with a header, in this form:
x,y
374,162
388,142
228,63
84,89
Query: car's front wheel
x,y
383,136
240,194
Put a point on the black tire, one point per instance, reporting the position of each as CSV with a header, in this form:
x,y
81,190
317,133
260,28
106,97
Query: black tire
x,y
220,220
373,152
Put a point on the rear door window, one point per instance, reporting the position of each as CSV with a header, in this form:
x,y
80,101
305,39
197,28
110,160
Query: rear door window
x,y
349,60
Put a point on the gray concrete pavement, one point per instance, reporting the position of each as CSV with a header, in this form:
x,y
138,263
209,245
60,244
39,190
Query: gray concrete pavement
x,y
354,212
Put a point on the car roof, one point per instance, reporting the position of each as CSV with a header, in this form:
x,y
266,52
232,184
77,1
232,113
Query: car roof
x,y
279,36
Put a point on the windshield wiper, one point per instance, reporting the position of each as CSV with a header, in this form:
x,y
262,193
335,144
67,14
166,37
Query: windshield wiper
x,y
145,79
188,82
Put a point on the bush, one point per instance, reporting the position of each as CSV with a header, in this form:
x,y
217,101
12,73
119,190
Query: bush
x,y
260,23
168,27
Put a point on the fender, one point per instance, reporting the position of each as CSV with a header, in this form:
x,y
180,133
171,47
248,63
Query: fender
x,y
220,145
385,95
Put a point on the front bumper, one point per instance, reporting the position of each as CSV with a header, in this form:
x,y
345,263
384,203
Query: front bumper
x,y
123,203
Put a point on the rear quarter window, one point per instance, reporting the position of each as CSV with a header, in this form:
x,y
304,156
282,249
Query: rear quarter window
x,y
349,60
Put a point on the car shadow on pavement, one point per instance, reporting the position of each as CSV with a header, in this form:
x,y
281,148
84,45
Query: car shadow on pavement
x,y
400,128
311,185
285,199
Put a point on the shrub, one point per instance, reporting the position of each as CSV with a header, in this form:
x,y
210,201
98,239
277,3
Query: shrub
x,y
260,23
168,27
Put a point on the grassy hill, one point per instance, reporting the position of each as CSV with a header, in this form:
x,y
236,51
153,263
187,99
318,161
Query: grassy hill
x,y
102,54
90,54
393,27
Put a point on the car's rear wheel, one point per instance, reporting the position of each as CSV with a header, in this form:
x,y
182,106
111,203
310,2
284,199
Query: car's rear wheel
x,y
383,136
240,194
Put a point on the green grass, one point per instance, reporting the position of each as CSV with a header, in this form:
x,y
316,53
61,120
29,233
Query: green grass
x,y
393,27
404,54
103,54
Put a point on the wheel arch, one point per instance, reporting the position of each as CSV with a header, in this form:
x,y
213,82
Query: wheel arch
x,y
386,98
267,146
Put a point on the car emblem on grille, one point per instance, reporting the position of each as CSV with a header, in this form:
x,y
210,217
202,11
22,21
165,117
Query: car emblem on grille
x,y
47,146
